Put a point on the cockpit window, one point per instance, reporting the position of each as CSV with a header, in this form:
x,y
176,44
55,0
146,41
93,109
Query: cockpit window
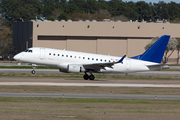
x,y
30,51
26,50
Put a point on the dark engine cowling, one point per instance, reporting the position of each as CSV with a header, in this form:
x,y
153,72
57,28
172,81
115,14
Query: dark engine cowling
x,y
63,70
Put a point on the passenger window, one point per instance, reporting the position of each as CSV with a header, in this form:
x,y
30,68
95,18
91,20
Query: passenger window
x,y
62,55
109,60
66,55
30,51
71,56
96,59
92,58
58,54
83,57
105,60
54,54
101,59
88,58
49,53
74,56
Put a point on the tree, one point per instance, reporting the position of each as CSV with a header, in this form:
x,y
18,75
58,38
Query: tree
x,y
62,17
178,49
5,41
172,45
18,10
143,9
48,7
56,13
174,10
72,7
91,6
161,10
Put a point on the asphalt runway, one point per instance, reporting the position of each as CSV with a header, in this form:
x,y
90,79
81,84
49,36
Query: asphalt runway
x,y
175,73
96,96
91,84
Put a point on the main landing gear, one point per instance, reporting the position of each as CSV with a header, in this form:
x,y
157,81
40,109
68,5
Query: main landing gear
x,y
90,77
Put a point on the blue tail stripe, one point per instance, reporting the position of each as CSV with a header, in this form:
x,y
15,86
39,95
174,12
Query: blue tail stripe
x,y
156,51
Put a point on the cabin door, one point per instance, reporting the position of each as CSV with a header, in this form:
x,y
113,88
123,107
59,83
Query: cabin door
x,y
128,63
42,53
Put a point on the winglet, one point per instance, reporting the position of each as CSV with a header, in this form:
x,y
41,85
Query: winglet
x,y
120,61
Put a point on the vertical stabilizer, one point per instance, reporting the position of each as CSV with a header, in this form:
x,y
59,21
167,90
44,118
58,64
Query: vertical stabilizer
x,y
156,51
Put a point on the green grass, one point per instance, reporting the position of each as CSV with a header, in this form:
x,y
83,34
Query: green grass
x,y
88,100
79,76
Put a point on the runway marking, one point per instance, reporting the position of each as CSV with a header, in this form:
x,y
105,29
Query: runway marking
x,y
91,84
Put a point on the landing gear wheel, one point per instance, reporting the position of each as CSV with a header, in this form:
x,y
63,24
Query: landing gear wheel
x,y
91,77
85,77
33,71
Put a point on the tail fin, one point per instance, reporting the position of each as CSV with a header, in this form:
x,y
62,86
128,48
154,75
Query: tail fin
x,y
156,51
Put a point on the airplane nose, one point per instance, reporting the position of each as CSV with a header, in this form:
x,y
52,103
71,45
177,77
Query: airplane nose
x,y
17,57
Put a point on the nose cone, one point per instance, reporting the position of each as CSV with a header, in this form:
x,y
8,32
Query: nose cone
x,y
17,57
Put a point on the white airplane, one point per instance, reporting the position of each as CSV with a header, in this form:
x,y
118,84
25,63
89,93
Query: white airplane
x,y
76,62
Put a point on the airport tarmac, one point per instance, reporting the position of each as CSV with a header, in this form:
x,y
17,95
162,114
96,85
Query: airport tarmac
x,y
92,84
105,96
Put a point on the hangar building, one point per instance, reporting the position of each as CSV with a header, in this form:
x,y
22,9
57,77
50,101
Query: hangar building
x,y
109,38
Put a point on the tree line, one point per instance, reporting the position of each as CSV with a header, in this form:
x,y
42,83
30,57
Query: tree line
x,y
25,10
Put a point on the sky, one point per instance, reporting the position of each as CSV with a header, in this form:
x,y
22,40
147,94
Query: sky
x,y
153,1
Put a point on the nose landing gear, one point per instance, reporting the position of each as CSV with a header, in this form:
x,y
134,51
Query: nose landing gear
x,y
33,71
34,67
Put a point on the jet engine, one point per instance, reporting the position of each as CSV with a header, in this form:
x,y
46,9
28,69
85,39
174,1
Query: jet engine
x,y
73,68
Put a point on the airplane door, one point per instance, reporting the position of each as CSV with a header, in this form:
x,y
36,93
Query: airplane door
x,y
42,53
128,64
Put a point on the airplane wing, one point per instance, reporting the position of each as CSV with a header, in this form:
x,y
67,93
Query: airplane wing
x,y
97,66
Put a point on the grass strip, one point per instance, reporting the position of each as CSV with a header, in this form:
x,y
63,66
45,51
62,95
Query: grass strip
x,y
87,109
88,100
79,76
90,90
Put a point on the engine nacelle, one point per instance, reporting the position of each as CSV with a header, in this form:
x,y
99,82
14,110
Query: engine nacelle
x,y
74,68
62,67
63,70
71,68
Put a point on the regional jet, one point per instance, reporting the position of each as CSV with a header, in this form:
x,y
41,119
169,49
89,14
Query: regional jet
x,y
76,62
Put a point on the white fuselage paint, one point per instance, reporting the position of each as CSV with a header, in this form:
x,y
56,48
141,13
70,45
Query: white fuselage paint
x,y
62,58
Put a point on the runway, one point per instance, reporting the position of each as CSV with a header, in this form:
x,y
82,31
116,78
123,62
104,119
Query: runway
x,y
96,96
91,84
95,83
175,73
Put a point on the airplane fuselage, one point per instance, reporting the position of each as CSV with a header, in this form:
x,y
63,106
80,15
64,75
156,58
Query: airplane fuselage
x,y
75,62
63,58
